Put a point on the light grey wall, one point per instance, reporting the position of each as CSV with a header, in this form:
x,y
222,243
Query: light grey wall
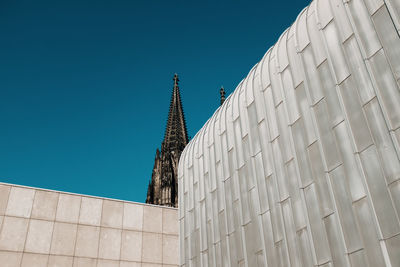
x,y
41,228
300,166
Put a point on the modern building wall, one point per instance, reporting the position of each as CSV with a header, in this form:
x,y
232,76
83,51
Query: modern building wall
x,y
300,166
41,228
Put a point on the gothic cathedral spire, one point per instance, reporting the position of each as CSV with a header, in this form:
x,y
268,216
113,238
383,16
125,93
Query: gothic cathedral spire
x,y
222,93
163,187
176,137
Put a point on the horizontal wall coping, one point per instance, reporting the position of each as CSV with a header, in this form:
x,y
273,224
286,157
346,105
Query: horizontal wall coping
x,y
84,195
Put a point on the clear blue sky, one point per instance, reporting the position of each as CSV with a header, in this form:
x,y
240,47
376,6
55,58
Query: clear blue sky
x,y
85,85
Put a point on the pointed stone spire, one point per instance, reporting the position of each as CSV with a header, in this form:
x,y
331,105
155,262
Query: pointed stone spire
x,y
164,181
176,80
176,137
222,93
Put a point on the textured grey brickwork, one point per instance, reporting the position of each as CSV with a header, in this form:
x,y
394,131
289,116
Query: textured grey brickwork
x,y
41,228
300,166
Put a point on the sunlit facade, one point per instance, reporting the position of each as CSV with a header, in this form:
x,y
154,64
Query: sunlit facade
x,y
45,228
300,165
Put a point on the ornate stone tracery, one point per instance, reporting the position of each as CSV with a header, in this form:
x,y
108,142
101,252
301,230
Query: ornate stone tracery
x,y
163,187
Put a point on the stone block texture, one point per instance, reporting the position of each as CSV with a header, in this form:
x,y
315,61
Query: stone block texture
x,y
300,165
46,228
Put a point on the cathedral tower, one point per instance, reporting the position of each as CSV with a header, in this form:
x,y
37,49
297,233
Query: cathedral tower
x,y
163,187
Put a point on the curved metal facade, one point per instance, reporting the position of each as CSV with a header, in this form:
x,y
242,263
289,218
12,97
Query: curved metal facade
x,y
300,166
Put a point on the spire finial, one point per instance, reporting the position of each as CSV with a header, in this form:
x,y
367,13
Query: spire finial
x,y
222,93
176,79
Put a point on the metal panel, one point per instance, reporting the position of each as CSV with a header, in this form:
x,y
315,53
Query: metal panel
x,y
300,166
383,141
326,136
393,245
301,153
331,96
357,259
388,222
345,210
290,98
335,50
359,70
325,202
387,88
351,167
304,105
369,233
389,37
318,233
305,248
364,27
336,244
354,112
